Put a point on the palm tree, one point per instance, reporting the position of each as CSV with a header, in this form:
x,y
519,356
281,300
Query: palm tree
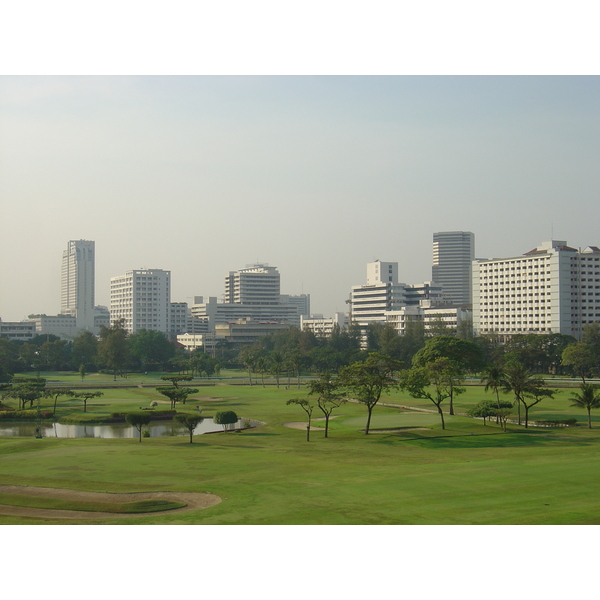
x,y
248,358
519,379
588,398
260,364
494,379
277,362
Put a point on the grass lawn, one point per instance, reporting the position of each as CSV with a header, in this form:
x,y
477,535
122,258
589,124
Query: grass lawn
x,y
466,474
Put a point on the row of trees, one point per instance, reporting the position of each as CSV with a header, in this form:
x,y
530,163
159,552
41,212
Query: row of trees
x,y
27,390
115,350
437,372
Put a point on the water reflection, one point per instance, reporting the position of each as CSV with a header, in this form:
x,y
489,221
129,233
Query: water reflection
x,y
116,430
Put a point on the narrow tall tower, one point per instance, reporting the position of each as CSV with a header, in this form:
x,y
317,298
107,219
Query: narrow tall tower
x,y
77,283
453,253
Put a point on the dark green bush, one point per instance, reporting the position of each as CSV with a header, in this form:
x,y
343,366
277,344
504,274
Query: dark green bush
x,y
25,415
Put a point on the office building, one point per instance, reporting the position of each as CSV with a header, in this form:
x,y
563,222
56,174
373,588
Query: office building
x,y
551,289
387,301
142,299
453,254
323,327
18,331
256,285
77,283
300,301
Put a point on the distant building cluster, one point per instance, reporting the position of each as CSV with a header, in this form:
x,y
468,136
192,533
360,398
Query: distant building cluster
x,y
553,288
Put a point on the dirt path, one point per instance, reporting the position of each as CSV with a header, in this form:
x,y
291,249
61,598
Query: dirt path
x,y
194,501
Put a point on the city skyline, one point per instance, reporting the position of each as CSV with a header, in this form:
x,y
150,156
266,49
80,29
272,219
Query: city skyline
x,y
314,175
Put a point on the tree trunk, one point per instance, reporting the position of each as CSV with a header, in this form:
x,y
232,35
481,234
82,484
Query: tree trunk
x,y
84,405
55,398
589,417
191,434
250,375
451,411
308,431
441,416
326,424
519,409
370,410
526,415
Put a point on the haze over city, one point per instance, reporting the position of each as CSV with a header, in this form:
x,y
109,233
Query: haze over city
x,y
317,176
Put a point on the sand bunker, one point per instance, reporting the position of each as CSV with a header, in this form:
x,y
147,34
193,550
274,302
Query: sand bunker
x,y
193,501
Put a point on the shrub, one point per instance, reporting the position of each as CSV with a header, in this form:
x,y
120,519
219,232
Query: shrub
x,y
557,422
25,415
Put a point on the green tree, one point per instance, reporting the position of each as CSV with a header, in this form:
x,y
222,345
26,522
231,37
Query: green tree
x,y
9,359
503,413
591,337
138,420
483,410
113,349
26,390
519,380
225,418
176,394
467,355
580,357
296,361
535,394
56,393
85,350
176,379
277,361
368,380
588,398
261,366
248,358
190,422
150,348
493,378
82,372
429,381
307,407
85,396
328,396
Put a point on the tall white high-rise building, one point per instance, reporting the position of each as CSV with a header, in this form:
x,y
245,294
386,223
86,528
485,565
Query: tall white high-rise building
x,y
255,285
78,283
551,289
142,298
453,254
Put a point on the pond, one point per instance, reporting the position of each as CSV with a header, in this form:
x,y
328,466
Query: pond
x,y
114,430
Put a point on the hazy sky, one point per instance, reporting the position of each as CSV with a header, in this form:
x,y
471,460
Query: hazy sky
x,y
319,175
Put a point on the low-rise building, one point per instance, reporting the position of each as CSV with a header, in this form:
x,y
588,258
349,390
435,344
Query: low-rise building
x,y
246,331
21,331
62,326
322,327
